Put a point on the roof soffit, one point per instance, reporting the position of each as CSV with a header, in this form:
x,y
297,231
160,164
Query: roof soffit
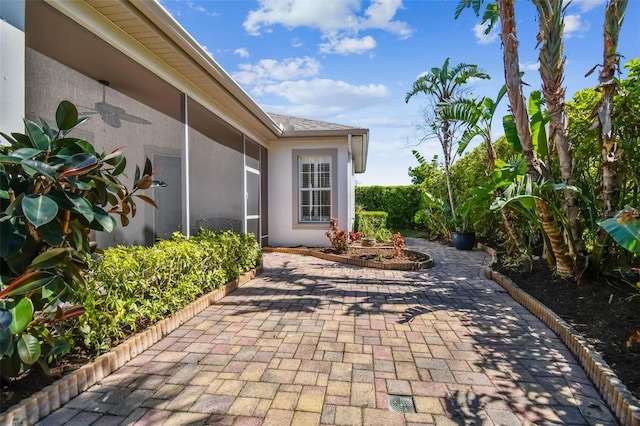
x,y
124,26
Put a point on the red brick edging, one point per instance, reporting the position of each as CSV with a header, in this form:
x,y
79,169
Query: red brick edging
x,y
366,263
30,410
621,402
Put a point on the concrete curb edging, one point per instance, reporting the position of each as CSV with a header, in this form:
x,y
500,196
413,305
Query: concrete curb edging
x,y
622,403
366,263
42,403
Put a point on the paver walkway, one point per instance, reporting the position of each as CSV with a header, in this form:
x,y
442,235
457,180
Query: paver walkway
x,y
314,342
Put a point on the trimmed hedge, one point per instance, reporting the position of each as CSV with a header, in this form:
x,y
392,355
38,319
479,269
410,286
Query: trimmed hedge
x,y
132,287
400,202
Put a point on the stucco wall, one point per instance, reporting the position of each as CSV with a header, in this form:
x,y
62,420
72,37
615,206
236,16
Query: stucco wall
x,y
11,66
142,131
281,194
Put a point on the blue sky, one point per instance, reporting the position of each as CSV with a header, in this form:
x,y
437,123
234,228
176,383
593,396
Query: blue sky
x,y
353,61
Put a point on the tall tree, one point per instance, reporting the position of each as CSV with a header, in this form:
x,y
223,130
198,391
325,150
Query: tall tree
x,y
611,151
536,169
477,116
551,26
443,85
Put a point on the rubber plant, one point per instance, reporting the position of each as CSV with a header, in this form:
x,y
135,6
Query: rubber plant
x,y
54,189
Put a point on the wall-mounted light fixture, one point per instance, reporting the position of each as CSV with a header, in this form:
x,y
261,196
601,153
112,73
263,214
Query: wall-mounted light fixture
x,y
158,184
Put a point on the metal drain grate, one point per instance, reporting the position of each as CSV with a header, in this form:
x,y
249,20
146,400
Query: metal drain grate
x,y
401,404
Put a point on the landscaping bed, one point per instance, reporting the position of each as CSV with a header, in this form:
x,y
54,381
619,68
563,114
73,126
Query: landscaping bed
x,y
600,308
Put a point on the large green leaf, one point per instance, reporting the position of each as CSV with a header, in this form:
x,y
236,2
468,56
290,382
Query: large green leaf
x,y
27,282
66,115
102,220
81,206
22,314
5,319
6,342
624,228
538,121
511,133
12,236
39,209
49,258
60,347
25,153
52,233
39,138
29,349
42,168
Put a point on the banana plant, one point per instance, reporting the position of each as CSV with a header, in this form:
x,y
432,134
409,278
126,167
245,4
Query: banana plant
x,y
54,189
624,228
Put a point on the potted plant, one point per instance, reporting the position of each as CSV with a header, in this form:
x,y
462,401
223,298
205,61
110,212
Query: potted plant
x,y
463,237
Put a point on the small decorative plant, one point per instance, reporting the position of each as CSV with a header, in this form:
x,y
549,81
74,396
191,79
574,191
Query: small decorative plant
x,y
398,244
54,189
355,236
339,238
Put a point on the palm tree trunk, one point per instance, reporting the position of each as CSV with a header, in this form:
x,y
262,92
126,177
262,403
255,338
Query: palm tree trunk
x,y
513,233
446,149
563,262
551,18
611,151
535,168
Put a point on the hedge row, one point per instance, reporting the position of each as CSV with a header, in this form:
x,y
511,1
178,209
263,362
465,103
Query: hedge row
x,y
132,287
400,202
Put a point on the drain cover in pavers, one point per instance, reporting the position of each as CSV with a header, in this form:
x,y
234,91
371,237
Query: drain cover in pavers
x,y
401,404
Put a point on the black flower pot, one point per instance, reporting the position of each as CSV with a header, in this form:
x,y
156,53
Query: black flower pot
x,y
463,240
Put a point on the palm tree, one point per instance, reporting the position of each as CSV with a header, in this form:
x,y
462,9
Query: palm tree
x,y
611,151
536,168
477,116
551,59
443,85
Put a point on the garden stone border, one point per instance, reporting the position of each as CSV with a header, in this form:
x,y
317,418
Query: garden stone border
x,y
366,263
620,400
42,403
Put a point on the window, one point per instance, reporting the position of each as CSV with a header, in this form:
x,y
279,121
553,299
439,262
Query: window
x,y
314,185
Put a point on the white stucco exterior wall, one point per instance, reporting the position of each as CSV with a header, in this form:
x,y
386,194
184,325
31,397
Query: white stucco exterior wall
x,y
282,232
12,63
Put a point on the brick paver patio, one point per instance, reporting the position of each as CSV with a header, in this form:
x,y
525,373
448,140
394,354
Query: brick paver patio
x,y
314,342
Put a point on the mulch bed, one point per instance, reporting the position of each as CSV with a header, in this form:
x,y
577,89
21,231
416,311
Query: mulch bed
x,y
383,254
600,308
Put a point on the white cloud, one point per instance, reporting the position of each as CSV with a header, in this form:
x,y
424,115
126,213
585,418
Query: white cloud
x,y
338,21
348,45
242,52
573,24
191,5
530,66
270,70
481,37
323,96
586,5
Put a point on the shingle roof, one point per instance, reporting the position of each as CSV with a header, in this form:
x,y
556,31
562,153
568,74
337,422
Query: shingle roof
x,y
303,124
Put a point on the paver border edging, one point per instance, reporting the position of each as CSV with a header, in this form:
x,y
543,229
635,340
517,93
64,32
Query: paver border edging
x,y
621,402
37,406
406,266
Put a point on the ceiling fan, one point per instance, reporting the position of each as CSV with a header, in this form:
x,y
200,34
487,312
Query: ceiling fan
x,y
111,114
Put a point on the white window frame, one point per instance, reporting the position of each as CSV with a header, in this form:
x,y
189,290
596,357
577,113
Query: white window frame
x,y
319,187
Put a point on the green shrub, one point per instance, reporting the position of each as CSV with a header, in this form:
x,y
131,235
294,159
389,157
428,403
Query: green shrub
x,y
132,287
400,202
54,189
373,225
